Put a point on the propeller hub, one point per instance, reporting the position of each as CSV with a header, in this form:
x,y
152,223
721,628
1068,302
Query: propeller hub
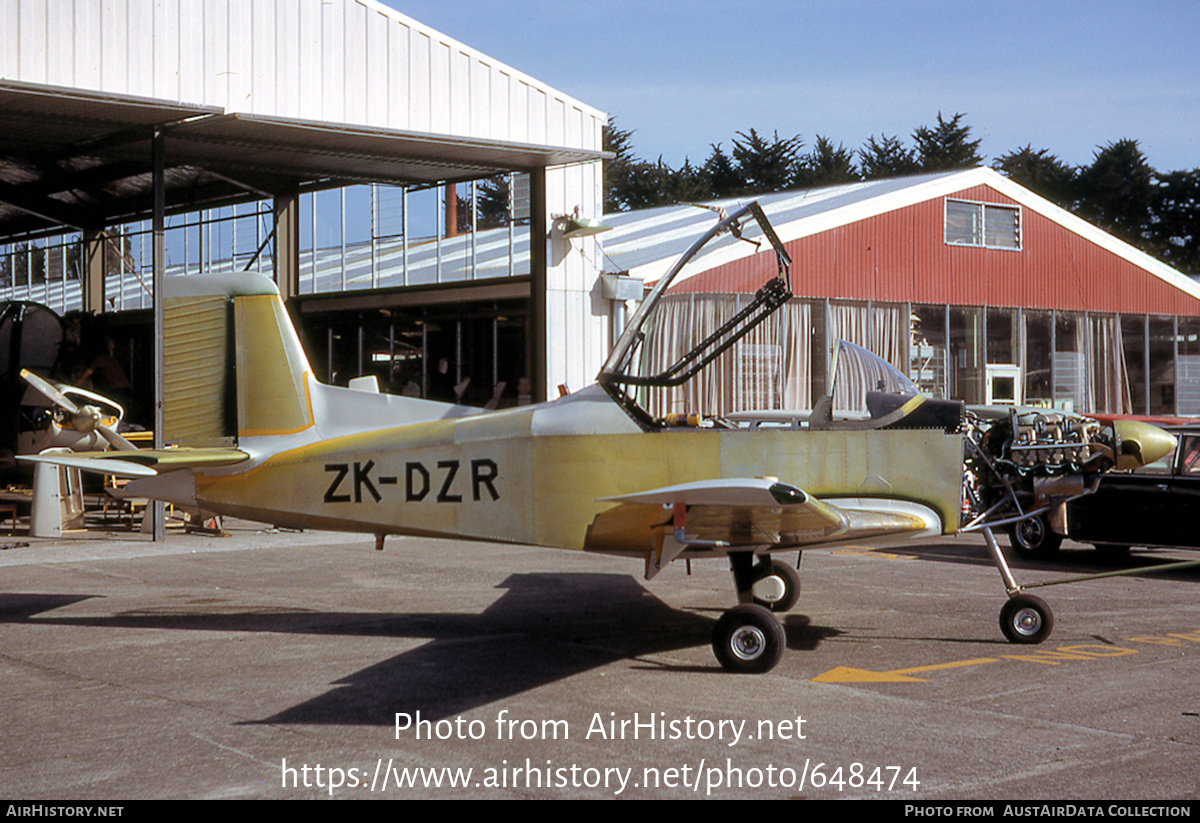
x,y
86,419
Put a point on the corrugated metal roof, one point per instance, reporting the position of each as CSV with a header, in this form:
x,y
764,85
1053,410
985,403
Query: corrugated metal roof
x,y
645,243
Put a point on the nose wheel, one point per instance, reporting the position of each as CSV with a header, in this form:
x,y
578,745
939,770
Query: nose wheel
x,y
1026,619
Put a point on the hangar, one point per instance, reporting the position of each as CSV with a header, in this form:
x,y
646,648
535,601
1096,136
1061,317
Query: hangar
x,y
279,136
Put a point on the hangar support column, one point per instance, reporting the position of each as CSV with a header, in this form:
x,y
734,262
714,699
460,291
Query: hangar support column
x,y
538,230
287,244
94,241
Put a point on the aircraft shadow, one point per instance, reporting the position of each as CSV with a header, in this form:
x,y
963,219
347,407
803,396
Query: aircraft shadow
x,y
1069,560
546,627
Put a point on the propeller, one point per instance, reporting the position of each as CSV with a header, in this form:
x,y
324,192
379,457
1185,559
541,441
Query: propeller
x,y
85,418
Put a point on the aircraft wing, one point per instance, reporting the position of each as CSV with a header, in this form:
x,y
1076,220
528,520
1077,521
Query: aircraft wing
x,y
144,462
715,516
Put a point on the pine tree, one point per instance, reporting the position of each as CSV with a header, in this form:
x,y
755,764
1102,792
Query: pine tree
x,y
1116,190
620,171
1041,172
1174,228
947,147
827,165
766,165
886,157
724,177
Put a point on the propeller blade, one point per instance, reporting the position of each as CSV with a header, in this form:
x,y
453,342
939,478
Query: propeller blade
x,y
50,391
117,441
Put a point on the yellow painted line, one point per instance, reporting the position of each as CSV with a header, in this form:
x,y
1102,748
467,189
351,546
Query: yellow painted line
x,y
845,674
1045,657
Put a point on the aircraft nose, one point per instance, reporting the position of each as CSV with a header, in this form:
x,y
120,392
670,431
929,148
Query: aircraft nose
x,y
1139,444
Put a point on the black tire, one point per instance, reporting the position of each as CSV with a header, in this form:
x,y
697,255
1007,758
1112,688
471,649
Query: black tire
x,y
748,639
791,585
1032,537
1026,619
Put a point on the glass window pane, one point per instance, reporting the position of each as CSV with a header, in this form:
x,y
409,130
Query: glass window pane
x,y
1133,336
966,354
964,223
1001,336
1162,366
1038,349
1002,227
1069,363
927,352
1187,375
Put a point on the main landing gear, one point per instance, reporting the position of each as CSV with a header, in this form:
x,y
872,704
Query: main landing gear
x,y
748,638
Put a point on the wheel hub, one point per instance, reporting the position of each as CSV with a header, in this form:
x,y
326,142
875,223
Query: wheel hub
x,y
1031,531
748,643
1027,621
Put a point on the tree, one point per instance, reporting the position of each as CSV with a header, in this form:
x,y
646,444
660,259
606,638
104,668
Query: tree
x,y
766,165
947,147
492,206
648,185
688,185
619,171
1041,172
886,157
1174,228
1116,190
26,263
722,174
826,165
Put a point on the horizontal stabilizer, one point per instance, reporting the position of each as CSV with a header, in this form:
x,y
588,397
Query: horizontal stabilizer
x,y
100,465
144,462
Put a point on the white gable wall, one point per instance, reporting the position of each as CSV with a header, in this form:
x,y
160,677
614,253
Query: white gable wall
x,y
343,61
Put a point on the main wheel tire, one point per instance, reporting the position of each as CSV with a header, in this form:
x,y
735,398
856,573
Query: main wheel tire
x,y
748,639
788,579
1026,619
1032,537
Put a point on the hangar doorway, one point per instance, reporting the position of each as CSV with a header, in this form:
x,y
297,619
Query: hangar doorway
x,y
471,351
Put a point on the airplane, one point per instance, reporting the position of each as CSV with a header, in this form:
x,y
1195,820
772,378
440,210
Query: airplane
x,y
78,419
596,470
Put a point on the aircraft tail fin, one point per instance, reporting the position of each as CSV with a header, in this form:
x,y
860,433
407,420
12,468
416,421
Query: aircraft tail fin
x,y
237,366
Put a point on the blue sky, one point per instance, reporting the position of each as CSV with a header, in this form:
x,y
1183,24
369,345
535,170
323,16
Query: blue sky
x,y
1066,76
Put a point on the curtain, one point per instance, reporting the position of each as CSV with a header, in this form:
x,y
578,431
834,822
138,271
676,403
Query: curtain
x,y
1108,382
880,328
766,369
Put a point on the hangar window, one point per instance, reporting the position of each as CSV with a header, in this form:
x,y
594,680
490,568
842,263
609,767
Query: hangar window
x,y
983,224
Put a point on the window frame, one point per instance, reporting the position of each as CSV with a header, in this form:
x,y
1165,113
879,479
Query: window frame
x,y
983,207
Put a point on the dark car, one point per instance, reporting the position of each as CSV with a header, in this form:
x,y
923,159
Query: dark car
x,y
1155,506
